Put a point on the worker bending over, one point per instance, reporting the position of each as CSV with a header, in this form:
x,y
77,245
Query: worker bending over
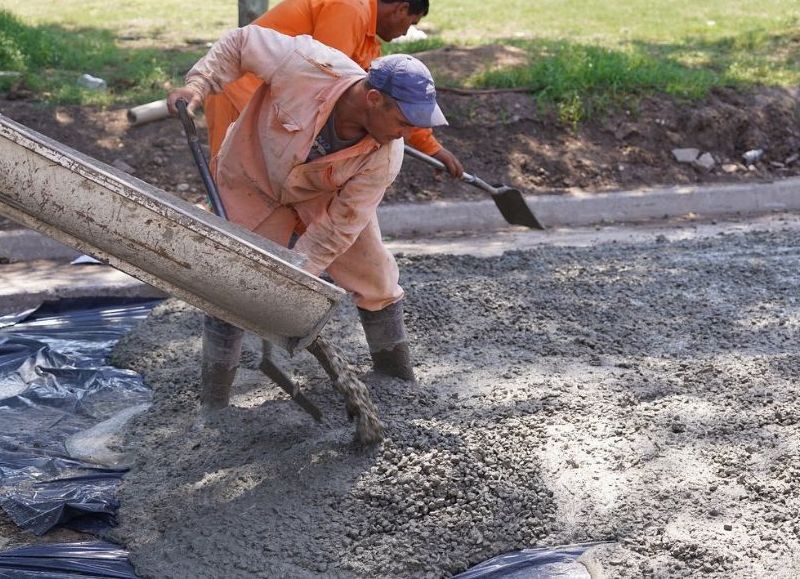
x,y
314,150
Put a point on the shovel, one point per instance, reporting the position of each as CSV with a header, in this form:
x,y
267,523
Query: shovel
x,y
509,201
270,369
199,158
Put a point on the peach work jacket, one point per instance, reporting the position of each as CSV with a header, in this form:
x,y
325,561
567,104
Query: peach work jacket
x,y
262,162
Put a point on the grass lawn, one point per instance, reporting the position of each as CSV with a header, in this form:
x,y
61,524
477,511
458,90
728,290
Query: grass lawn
x,y
584,54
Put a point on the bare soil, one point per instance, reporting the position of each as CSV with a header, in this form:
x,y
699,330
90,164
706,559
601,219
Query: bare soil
x,y
503,137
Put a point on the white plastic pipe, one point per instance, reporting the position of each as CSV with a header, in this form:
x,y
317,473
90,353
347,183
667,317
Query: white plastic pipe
x,y
154,111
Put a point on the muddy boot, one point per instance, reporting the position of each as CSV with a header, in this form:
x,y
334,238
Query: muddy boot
x,y
387,340
222,348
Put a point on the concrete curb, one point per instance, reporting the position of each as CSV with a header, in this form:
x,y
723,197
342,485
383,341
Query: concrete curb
x,y
570,210
595,208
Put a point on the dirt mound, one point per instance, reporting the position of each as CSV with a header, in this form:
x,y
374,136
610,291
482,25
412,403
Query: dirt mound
x,y
450,64
505,138
500,137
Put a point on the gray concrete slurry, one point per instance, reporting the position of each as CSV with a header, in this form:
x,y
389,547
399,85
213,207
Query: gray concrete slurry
x,y
575,209
20,244
641,390
495,243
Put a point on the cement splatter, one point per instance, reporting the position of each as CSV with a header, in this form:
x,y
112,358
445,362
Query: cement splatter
x,y
97,443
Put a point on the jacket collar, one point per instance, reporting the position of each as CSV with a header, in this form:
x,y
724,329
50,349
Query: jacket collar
x,y
328,96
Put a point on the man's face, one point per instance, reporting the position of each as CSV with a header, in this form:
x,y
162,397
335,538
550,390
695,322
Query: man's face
x,y
396,21
385,121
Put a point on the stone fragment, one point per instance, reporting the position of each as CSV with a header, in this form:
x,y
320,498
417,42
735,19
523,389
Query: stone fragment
x,y
688,155
678,427
705,161
92,82
730,167
753,156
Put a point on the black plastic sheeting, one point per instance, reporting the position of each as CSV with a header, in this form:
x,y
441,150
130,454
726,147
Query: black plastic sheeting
x,y
541,563
62,560
54,384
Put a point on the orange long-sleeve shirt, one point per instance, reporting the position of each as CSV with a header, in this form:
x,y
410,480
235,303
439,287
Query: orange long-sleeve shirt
x,y
346,25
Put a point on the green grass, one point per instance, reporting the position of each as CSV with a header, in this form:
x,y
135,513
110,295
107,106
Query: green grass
x,y
430,43
602,22
155,23
584,55
52,58
583,79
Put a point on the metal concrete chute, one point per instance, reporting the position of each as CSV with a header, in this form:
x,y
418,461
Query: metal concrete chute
x,y
156,237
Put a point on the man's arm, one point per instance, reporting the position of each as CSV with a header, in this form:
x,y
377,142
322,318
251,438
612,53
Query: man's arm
x,y
330,235
248,49
423,140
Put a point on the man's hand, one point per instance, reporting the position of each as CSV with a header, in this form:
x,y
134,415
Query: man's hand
x,y
454,167
186,94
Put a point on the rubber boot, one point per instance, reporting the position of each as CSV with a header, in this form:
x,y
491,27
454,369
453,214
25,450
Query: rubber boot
x,y
222,348
388,341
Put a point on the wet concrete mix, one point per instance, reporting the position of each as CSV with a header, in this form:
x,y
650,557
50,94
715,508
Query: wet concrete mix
x,y
646,395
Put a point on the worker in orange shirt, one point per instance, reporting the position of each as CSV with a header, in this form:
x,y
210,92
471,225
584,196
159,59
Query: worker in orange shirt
x,y
351,26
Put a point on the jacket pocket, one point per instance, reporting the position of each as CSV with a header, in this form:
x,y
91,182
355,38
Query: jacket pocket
x,y
311,180
284,119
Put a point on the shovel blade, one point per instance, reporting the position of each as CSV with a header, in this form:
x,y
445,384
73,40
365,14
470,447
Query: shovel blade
x,y
514,208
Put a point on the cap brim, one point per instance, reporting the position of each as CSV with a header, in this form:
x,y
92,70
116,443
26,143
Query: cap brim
x,y
424,115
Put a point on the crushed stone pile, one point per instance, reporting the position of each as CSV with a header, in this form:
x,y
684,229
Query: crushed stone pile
x,y
644,395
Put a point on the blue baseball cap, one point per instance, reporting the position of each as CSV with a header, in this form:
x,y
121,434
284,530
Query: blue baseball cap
x,y
408,81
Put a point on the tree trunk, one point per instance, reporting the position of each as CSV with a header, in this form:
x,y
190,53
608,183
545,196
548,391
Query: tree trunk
x,y
249,10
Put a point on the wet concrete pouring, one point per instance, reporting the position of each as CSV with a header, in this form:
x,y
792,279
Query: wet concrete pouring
x,y
640,393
